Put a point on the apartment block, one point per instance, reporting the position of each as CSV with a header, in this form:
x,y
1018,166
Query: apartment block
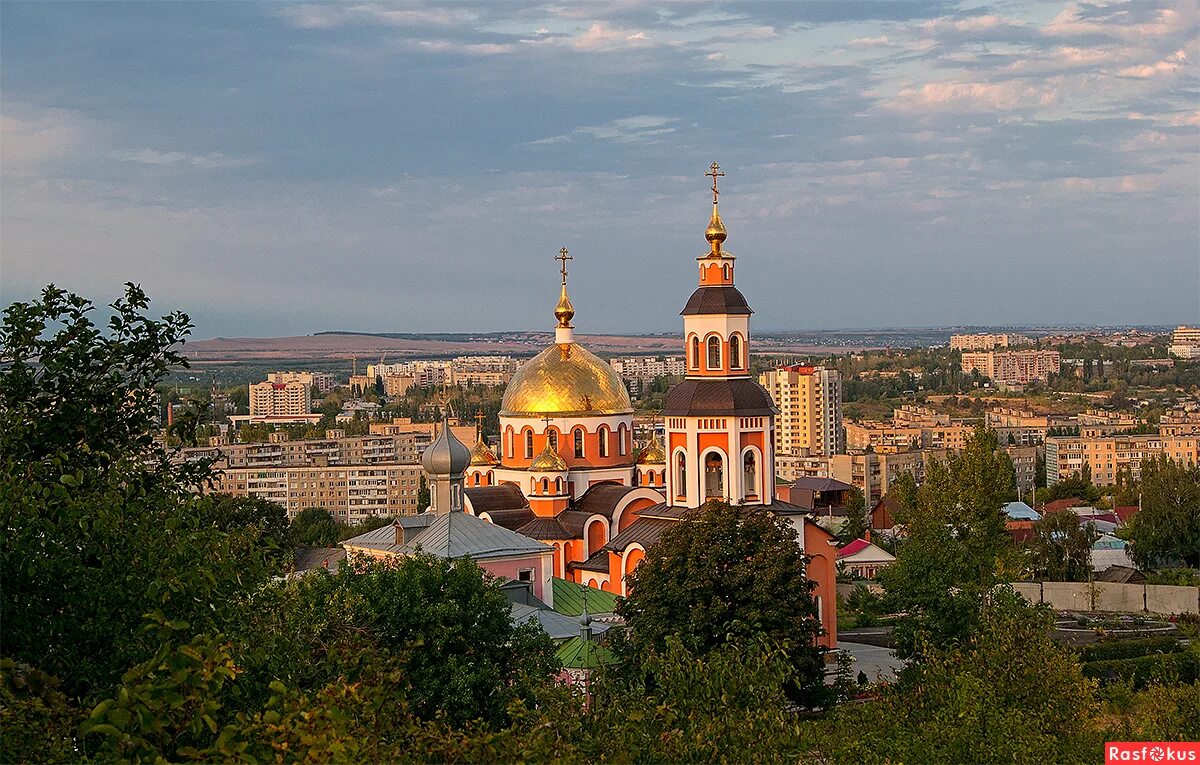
x,y
874,473
322,382
1012,367
274,399
986,342
349,492
809,400
1106,456
639,371
1185,343
1024,459
1098,422
1180,422
890,438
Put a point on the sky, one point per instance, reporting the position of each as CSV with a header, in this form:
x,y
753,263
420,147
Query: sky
x,y
288,168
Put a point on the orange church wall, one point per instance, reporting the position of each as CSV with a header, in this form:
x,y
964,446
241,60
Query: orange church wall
x,y
630,513
718,440
566,448
595,535
822,570
632,559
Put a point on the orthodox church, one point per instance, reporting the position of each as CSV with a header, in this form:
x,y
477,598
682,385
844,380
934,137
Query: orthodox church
x,y
568,475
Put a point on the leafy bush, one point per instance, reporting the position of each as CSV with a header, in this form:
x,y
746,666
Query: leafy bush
x,y
1129,649
1170,669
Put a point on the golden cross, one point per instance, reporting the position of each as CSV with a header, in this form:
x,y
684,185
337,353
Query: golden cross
x,y
564,255
479,423
714,171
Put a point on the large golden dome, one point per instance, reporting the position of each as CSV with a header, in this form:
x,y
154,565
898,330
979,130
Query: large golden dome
x,y
565,380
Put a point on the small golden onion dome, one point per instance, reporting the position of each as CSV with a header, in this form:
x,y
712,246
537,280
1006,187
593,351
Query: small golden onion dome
x,y
548,461
653,454
562,381
715,233
564,311
482,455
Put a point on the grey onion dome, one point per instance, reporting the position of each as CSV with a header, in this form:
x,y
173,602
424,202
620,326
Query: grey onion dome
x,y
446,455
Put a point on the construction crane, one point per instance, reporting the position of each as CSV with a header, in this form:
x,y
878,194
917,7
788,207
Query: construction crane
x,y
354,360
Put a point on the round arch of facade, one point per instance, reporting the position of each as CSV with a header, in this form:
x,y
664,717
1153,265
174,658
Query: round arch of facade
x,y
633,555
725,468
759,477
625,511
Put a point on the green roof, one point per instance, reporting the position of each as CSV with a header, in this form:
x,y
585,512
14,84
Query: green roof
x,y
569,598
577,653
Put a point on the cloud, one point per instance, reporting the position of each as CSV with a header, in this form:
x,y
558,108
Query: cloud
x,y
976,96
211,161
30,136
637,129
601,36
1168,65
881,41
330,15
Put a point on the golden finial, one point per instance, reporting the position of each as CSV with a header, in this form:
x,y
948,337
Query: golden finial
x,y
564,311
715,233
479,424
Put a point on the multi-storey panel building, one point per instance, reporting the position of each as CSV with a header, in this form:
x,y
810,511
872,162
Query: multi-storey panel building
x,y
1107,456
280,399
1012,367
986,342
809,400
322,382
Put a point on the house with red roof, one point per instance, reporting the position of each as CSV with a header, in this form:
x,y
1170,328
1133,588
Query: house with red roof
x,y
862,559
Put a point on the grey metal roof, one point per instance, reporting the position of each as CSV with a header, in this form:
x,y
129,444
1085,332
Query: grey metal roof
x,y
556,625
384,537
820,484
455,535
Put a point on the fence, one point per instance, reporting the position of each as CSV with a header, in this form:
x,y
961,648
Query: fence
x,y
1109,596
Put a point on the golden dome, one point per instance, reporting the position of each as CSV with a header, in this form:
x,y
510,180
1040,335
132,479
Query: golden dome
x,y
564,311
565,380
715,233
482,455
548,461
652,454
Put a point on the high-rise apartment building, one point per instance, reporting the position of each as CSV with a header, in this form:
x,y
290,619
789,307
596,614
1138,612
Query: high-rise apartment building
x,y
280,399
322,382
809,400
1012,367
984,342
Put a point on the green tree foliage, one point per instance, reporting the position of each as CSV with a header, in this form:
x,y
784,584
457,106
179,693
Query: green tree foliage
x,y
100,526
1061,548
314,527
423,498
727,573
857,520
1078,486
1006,693
1167,527
956,544
234,514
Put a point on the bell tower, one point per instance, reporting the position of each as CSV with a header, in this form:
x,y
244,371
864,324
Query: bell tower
x,y
719,420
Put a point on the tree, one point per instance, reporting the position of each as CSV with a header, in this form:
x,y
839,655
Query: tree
x,y
727,573
1061,547
955,547
857,522
229,513
1006,693
100,527
1078,486
314,527
423,499
1167,526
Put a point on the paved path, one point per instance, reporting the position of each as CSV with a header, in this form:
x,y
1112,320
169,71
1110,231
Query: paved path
x,y
878,663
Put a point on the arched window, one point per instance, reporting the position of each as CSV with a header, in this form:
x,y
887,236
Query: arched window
x,y
491,478
681,474
602,433
545,485
714,476
579,443
558,486
637,477
695,353
750,473
622,447
714,352
735,352
552,437
509,442
725,271
529,444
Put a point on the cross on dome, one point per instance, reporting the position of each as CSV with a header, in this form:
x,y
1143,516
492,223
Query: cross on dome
x,y
714,170
564,311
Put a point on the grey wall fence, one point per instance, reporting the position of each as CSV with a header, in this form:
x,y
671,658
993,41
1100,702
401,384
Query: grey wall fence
x,y
1109,596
